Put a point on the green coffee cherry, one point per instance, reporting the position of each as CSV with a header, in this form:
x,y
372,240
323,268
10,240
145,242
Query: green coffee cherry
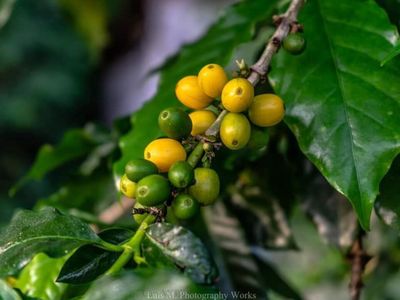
x,y
206,188
127,187
181,174
152,190
139,168
294,43
175,122
185,206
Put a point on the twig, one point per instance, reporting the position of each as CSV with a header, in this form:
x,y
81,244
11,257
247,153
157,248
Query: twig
x,y
260,68
358,258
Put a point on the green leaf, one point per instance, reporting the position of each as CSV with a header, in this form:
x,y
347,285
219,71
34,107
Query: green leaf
x,y
7,293
387,205
37,279
392,54
236,26
147,284
45,231
75,143
86,264
89,262
86,193
342,106
180,247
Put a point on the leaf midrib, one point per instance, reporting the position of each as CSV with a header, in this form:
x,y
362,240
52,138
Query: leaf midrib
x,y
44,238
339,80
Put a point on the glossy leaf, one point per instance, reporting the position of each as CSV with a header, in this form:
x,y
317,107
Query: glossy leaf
x,y
7,292
342,106
146,283
45,231
180,247
89,261
391,55
37,279
233,28
387,205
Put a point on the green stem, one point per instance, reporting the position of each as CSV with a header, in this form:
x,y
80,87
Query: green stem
x,y
121,261
111,247
196,155
132,247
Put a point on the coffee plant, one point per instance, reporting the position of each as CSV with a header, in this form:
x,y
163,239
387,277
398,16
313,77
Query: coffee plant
x,y
210,171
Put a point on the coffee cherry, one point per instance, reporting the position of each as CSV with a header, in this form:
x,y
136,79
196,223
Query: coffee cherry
x,y
138,168
212,79
152,190
164,152
127,187
185,206
201,121
181,174
206,188
235,131
294,43
237,95
175,122
266,110
190,94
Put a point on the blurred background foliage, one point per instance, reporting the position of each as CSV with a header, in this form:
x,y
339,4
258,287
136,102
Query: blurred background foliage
x,y
58,64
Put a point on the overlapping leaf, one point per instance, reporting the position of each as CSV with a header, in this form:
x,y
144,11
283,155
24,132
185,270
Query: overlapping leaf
x,y
235,27
46,231
89,261
37,279
177,246
341,104
74,144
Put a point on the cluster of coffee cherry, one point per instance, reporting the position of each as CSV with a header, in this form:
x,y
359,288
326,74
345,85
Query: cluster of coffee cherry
x,y
175,170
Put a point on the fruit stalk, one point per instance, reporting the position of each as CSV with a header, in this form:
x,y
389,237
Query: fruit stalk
x,y
260,68
132,247
196,155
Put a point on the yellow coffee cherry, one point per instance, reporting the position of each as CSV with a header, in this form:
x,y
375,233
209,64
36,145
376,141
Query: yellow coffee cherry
x,y
235,131
127,187
190,94
212,79
237,95
266,110
201,121
164,152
